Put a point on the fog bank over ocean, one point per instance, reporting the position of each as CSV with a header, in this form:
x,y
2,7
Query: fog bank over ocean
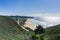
x,y
46,20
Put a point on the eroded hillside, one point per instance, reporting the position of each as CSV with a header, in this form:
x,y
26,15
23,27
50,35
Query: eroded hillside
x,y
10,30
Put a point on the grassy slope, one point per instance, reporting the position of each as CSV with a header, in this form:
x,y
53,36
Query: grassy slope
x,y
9,30
53,32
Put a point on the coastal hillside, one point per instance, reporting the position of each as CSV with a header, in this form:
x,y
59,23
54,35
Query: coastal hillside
x,y
10,30
53,29
53,33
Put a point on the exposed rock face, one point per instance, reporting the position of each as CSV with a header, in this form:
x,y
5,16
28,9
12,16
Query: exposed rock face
x,y
29,24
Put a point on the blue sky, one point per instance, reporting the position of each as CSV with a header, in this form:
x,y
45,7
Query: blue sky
x,y
30,7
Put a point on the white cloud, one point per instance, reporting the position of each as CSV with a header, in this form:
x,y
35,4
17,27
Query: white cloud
x,y
51,21
47,21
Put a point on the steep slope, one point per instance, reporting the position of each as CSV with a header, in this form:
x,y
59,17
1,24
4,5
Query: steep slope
x,y
7,23
10,30
53,29
53,32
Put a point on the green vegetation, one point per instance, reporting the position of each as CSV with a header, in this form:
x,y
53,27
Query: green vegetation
x,y
53,33
10,30
38,33
22,21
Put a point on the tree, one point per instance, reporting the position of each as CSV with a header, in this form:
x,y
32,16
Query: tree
x,y
38,33
39,30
